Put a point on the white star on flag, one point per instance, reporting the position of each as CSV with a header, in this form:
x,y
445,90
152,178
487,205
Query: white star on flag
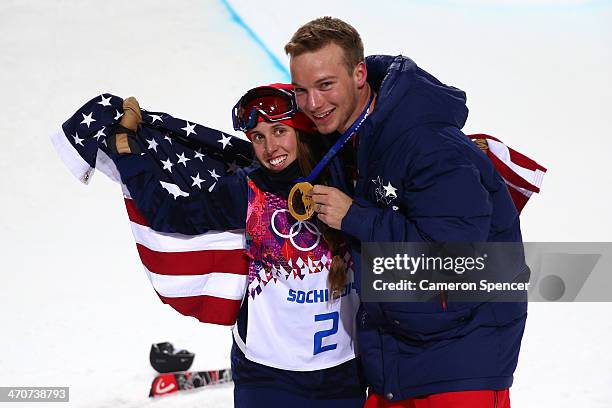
x,y
77,139
118,115
100,134
214,174
182,159
197,181
152,144
189,129
225,140
105,101
390,191
87,119
167,165
168,138
155,117
232,167
199,155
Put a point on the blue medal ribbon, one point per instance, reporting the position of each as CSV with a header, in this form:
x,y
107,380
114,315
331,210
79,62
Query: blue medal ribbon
x,y
345,137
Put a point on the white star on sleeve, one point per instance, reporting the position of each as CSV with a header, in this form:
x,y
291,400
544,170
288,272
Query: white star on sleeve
x,y
167,164
155,117
214,174
390,191
182,159
225,140
105,101
167,137
77,139
197,181
100,134
152,144
199,155
189,129
87,119
118,115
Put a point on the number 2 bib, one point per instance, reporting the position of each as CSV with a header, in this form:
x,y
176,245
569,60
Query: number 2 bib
x,y
292,323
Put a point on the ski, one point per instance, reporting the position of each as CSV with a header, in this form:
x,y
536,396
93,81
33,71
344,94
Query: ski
x,y
169,383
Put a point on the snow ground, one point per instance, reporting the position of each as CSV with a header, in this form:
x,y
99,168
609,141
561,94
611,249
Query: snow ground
x,y
76,309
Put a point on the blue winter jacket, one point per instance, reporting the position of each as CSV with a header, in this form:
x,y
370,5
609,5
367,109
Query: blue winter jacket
x,y
421,179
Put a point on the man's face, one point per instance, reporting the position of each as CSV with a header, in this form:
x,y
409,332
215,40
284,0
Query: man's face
x,y
325,90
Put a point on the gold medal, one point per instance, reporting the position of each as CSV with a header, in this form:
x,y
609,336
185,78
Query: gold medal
x,y
301,214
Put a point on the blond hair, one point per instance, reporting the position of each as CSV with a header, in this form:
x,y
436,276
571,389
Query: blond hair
x,y
322,31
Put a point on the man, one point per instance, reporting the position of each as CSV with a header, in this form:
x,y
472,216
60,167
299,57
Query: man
x,y
418,178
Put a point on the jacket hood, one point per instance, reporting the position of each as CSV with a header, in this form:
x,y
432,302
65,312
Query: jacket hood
x,y
401,84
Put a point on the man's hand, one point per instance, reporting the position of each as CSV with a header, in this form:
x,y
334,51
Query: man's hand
x,y
331,205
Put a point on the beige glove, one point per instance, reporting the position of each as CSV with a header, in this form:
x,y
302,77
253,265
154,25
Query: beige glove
x,y
482,144
130,120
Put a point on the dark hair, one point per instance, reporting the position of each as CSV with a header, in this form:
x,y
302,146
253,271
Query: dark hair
x,y
309,151
320,32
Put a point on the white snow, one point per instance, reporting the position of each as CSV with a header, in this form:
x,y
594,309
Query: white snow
x,y
76,308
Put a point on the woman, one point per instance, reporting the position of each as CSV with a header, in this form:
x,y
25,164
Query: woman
x,y
293,341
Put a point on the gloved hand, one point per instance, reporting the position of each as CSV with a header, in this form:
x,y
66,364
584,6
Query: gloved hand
x,y
124,139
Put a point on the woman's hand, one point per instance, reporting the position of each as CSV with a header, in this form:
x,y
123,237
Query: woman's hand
x,y
120,142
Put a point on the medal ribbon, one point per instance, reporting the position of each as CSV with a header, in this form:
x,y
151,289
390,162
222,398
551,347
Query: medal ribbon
x,y
339,143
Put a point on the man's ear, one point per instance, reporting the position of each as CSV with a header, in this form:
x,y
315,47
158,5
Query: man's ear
x,y
360,74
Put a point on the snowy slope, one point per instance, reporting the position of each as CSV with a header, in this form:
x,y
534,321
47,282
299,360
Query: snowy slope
x,y
76,308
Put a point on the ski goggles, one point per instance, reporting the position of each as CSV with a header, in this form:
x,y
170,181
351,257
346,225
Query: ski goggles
x,y
269,103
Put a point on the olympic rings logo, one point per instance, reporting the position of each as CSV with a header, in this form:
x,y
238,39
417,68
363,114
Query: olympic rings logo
x,y
295,230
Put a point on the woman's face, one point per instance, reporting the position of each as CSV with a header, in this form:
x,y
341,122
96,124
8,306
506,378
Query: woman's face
x,y
275,145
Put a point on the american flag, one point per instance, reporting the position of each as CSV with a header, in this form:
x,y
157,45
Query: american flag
x,y
203,276
523,176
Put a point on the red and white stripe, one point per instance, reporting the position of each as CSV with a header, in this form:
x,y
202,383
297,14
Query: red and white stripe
x,y
203,276
522,175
